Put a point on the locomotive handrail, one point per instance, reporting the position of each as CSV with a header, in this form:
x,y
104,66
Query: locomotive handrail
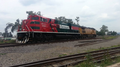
x,y
28,30
32,31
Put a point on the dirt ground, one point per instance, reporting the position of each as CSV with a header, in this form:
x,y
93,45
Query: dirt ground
x,y
115,65
10,56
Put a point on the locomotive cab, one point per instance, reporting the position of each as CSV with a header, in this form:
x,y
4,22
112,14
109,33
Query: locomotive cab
x,y
42,24
34,26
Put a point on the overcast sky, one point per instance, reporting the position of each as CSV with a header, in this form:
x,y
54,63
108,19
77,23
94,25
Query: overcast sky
x,y
92,13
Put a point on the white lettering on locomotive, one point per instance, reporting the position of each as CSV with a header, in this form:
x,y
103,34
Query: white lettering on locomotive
x,y
43,25
64,27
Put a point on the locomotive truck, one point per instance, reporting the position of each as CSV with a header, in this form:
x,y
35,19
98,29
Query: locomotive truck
x,y
39,28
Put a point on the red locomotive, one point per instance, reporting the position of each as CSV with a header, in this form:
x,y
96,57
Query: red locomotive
x,y
39,28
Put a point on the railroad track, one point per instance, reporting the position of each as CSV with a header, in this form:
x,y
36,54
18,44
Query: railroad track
x,y
46,42
71,60
90,42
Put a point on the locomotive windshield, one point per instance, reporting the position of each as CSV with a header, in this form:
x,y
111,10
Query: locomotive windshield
x,y
35,18
43,19
35,23
34,27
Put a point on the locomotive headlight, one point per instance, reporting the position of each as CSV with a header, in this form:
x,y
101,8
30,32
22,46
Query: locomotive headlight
x,y
19,37
24,21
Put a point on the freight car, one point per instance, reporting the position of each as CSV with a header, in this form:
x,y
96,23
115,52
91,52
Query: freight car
x,y
39,28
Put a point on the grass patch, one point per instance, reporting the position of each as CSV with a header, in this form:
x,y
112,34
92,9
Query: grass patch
x,y
62,55
106,62
109,37
101,48
116,60
89,62
7,41
2,53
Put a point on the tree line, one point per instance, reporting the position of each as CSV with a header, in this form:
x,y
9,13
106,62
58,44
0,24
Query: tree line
x,y
104,31
14,26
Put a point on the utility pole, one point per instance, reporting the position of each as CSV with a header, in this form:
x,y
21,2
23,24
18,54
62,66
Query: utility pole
x,y
77,19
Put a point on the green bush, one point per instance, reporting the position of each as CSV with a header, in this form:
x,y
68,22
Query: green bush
x,y
6,41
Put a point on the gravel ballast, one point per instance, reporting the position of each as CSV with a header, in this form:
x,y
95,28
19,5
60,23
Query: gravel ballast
x,y
24,54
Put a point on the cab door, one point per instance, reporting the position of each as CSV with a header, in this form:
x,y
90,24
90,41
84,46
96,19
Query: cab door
x,y
53,25
45,25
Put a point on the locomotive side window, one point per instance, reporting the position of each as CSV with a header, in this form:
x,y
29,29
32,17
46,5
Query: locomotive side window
x,y
56,21
43,19
49,21
33,27
32,23
40,18
35,23
83,30
29,18
35,18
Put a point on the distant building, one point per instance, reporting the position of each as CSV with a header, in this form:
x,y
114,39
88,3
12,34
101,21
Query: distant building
x,y
1,37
